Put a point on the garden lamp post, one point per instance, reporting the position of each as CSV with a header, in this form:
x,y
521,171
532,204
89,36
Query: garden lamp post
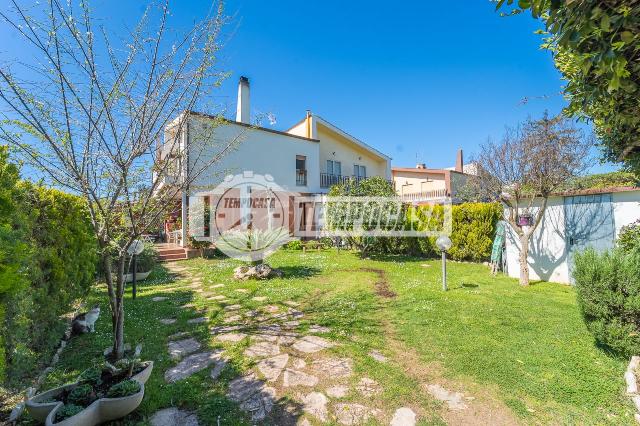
x,y
444,243
134,250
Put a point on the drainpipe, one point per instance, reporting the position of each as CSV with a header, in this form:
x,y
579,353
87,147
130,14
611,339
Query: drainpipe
x,y
185,191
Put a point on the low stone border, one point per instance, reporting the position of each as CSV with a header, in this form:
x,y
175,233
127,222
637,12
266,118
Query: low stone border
x,y
632,384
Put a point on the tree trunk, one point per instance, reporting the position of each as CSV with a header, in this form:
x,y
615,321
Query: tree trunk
x,y
524,265
118,314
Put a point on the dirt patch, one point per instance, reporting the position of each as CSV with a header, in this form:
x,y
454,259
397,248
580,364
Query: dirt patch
x,y
483,407
382,284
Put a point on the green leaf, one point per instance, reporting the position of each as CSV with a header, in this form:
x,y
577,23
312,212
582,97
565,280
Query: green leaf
x,y
626,36
605,23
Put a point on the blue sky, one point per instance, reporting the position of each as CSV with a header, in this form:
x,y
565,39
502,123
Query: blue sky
x,y
414,79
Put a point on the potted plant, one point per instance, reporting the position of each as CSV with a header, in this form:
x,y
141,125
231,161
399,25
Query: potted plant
x,y
101,394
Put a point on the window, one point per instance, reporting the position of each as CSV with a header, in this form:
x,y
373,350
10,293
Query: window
x,y
360,172
301,170
301,162
334,168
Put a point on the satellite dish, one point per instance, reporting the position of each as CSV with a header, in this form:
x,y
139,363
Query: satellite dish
x,y
135,248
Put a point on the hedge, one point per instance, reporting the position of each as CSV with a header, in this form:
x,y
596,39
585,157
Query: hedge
x,y
608,292
49,263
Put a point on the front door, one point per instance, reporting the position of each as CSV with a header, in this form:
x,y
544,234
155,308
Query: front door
x,y
589,222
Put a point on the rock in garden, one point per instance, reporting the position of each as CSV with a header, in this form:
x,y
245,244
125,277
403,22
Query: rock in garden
x,y
218,297
225,328
191,365
454,400
259,298
217,286
291,303
287,339
319,329
178,335
403,417
242,290
334,368
272,367
262,349
252,396
198,320
351,414
298,363
218,369
378,356
158,298
368,387
293,378
173,417
315,404
311,344
259,272
338,391
232,308
232,318
231,337
180,348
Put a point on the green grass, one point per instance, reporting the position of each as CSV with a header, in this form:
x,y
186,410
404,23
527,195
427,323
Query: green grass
x,y
525,350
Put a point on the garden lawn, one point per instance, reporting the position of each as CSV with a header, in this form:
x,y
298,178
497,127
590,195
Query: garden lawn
x,y
518,355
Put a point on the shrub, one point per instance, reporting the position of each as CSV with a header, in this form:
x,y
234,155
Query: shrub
x,y
67,410
81,395
629,237
293,245
146,260
124,388
91,375
312,245
326,242
608,292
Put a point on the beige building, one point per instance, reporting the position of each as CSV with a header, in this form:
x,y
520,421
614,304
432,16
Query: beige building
x,y
307,158
423,185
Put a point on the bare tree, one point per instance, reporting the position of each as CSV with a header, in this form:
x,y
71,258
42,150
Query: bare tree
x,y
97,114
528,165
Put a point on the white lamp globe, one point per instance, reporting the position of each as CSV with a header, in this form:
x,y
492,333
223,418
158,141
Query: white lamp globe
x,y
443,242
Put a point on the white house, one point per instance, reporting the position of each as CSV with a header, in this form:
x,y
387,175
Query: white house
x,y
307,158
572,222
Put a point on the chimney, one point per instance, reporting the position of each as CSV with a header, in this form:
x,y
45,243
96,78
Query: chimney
x,y
242,111
459,162
421,166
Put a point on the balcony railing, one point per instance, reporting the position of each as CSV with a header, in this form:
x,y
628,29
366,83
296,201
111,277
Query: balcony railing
x,y
301,178
426,196
327,180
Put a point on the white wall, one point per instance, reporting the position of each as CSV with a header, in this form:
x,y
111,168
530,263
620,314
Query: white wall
x,y
259,151
548,254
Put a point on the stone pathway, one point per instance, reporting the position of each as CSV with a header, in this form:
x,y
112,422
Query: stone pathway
x,y
284,358
455,400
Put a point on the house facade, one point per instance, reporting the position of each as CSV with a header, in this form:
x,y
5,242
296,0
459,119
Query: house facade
x,y
422,185
306,159
572,222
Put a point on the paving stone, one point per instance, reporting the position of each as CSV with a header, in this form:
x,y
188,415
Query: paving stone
x,y
378,356
272,309
179,335
291,303
188,306
335,368
232,318
217,286
242,290
319,329
168,321
259,298
199,320
225,328
295,314
231,337
368,387
265,337
272,367
290,325
293,378
338,391
455,400
287,339
180,348
304,422
262,349
232,308
159,298
311,344
352,414
173,417
298,363
403,417
218,297
315,404
191,365
218,369
252,396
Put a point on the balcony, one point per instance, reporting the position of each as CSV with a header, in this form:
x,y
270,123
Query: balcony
x,y
327,180
301,178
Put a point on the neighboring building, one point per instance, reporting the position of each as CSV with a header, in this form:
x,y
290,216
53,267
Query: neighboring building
x,y
572,222
428,186
307,159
